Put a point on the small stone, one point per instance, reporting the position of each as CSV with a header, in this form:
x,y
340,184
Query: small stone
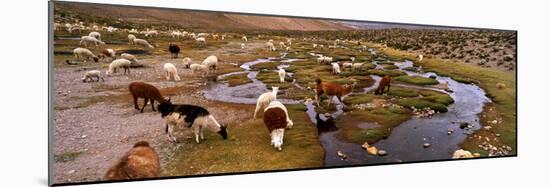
x,y
461,153
497,134
426,145
342,155
382,152
464,125
487,127
370,149
71,171
508,148
83,136
365,145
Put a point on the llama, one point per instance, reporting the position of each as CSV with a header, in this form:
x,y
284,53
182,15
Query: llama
x,y
211,62
142,43
335,68
187,62
192,115
196,68
201,41
270,46
385,82
282,74
174,50
145,91
95,34
107,53
346,65
84,53
323,59
276,120
420,57
142,161
131,38
90,40
152,33
129,57
357,66
265,99
90,75
331,89
171,71
119,63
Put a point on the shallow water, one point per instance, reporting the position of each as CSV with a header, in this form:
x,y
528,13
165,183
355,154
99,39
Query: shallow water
x,y
245,93
405,142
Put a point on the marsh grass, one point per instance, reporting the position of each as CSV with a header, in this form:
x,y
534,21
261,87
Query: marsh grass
x,y
248,149
416,80
487,78
237,79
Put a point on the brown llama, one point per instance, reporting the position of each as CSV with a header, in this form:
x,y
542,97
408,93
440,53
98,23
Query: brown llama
x,y
147,92
331,90
385,82
142,161
276,120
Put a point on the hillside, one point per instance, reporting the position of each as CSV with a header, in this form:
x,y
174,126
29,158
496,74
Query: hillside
x,y
197,19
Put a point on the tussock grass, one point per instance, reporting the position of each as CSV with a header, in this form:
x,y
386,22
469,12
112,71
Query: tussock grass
x,y
248,149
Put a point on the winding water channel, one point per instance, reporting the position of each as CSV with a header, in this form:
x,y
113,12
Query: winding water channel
x,y
406,141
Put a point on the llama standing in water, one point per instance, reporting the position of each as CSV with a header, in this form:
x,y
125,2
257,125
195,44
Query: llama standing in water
x,y
385,82
331,89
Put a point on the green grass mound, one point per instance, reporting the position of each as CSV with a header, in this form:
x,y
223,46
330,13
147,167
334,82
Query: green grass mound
x,y
237,79
392,73
416,80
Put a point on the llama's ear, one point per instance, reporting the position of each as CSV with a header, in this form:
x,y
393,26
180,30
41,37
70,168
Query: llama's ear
x,y
168,100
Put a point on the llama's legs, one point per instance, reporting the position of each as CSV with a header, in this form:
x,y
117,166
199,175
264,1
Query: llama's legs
x,y
258,106
340,100
136,102
197,131
153,104
201,133
167,76
317,100
171,136
146,100
289,122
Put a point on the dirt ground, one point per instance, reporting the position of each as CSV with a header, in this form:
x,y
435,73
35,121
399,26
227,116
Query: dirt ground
x,y
95,123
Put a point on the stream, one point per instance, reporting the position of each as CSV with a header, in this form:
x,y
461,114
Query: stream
x,y
405,144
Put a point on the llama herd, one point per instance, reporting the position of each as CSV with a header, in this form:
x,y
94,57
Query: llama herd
x,y
142,161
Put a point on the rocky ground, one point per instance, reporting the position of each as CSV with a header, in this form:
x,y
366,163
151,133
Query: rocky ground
x,y
95,123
